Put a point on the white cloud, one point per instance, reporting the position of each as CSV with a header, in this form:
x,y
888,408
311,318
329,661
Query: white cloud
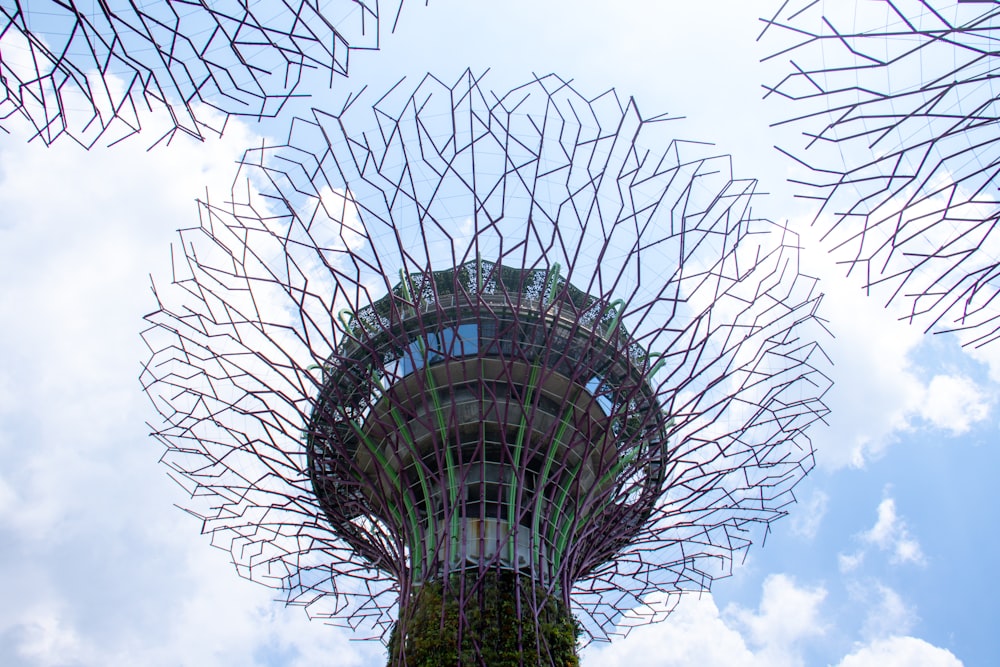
x,y
694,633
787,615
44,640
886,526
850,562
954,403
989,355
105,570
888,614
217,620
875,390
808,515
7,498
900,652
773,635
880,393
890,533
697,633
82,231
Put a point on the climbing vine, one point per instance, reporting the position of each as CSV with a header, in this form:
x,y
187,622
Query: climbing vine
x,y
508,622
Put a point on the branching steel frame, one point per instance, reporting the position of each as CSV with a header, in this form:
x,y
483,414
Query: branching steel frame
x,y
897,104
91,70
471,333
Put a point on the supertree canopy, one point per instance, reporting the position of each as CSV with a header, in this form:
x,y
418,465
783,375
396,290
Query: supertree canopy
x,y
91,69
480,373
897,105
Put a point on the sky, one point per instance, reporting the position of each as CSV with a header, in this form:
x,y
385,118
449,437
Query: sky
x,y
885,560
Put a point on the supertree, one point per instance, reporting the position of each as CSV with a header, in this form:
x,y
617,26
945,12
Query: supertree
x,y
897,106
94,69
479,373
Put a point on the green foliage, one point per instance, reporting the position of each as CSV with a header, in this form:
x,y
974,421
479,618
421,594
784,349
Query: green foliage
x,y
499,621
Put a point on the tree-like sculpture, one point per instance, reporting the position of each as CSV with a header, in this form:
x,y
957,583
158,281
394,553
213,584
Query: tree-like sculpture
x,y
481,372
94,69
898,107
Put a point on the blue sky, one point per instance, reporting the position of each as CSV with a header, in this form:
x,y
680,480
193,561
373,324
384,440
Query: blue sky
x,y
886,559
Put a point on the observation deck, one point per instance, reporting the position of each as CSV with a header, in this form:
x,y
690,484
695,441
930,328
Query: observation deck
x,y
486,416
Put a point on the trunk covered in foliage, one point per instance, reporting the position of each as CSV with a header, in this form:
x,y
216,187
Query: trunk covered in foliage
x,y
499,619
